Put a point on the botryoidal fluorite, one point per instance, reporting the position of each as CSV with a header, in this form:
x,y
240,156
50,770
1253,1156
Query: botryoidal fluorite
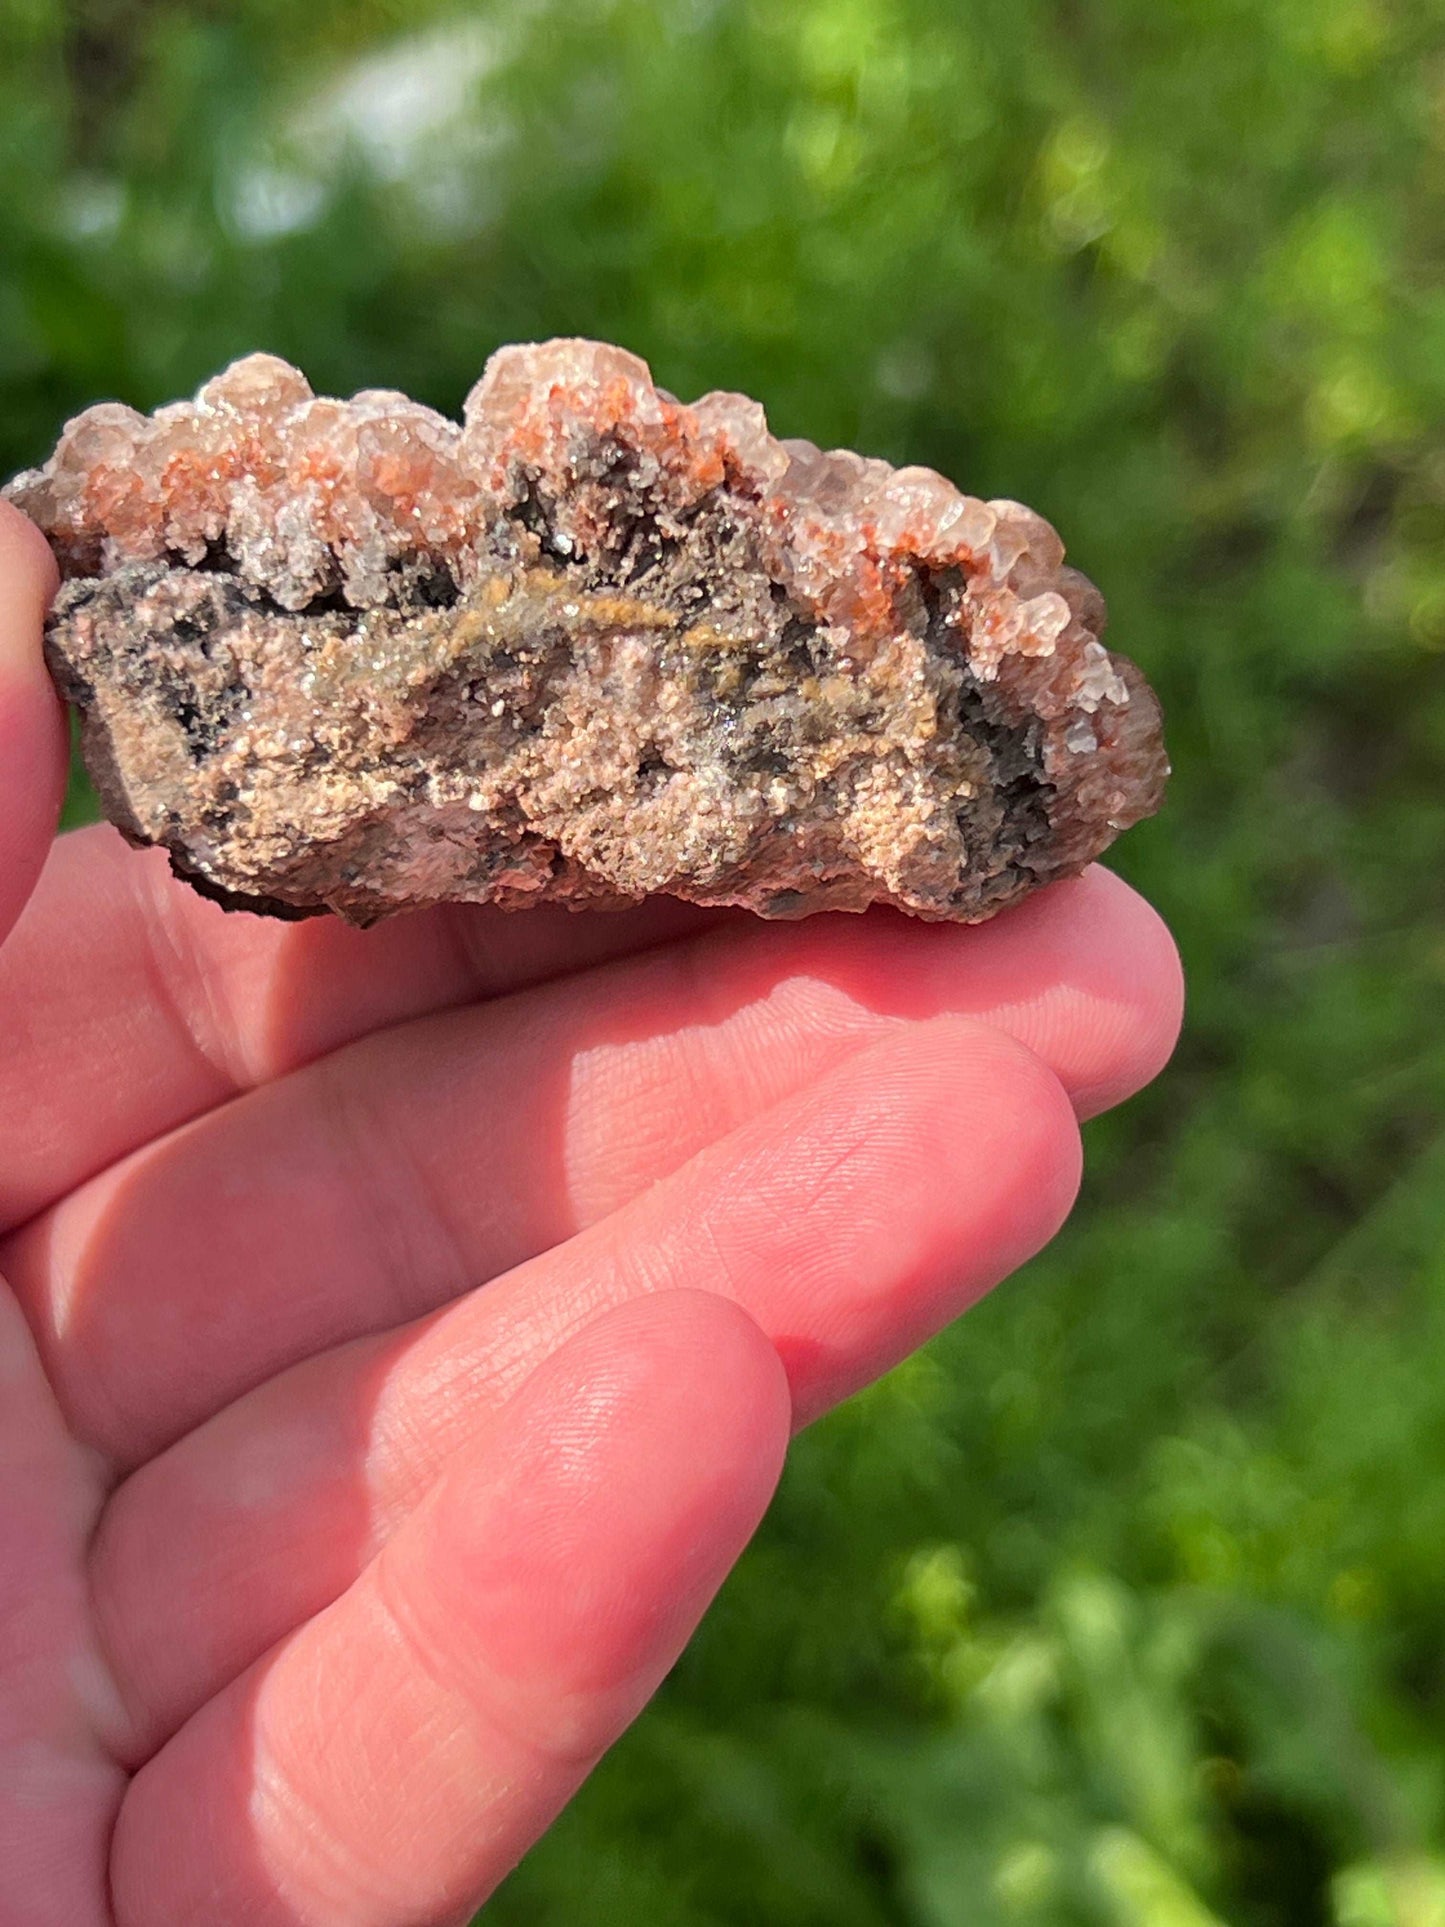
x,y
591,645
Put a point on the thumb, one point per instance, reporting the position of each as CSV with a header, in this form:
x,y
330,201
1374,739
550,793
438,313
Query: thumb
x,y
32,725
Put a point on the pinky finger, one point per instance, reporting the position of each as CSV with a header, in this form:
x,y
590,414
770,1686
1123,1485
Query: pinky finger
x,y
32,730
394,1758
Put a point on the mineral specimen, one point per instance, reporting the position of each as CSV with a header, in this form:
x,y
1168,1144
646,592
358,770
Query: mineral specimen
x,y
591,645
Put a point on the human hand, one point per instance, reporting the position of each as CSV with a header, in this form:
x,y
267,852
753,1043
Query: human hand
x,y
325,1575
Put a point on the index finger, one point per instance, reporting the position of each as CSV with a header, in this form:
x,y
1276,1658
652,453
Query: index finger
x,y
32,729
129,1005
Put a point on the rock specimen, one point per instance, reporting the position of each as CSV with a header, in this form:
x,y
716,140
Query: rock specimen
x,y
591,645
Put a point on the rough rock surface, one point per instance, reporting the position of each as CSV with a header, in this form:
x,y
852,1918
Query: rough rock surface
x,y
591,645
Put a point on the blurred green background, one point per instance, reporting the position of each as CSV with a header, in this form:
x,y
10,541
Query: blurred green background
x,y
1125,1603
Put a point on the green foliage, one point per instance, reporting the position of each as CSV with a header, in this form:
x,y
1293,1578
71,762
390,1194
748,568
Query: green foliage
x,y
1124,1603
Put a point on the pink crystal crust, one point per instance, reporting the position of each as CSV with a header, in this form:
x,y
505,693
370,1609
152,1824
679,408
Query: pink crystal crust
x,y
591,645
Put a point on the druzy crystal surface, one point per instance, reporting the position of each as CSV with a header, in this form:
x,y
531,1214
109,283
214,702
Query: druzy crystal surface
x,y
590,645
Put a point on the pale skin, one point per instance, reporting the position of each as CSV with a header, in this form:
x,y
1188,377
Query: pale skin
x,y
401,1332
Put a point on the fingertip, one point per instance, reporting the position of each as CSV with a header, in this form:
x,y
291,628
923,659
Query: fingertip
x,y
1083,973
1022,1121
976,1159
663,1367
27,564
701,1344
1136,1026
32,723
629,1473
1087,976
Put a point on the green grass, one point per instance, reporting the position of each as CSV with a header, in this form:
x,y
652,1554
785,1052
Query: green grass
x,y
1123,1604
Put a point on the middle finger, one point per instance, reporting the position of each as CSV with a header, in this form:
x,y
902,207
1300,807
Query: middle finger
x,y
393,1176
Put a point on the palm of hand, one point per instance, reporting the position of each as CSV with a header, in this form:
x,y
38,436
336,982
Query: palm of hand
x,y
327,1570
